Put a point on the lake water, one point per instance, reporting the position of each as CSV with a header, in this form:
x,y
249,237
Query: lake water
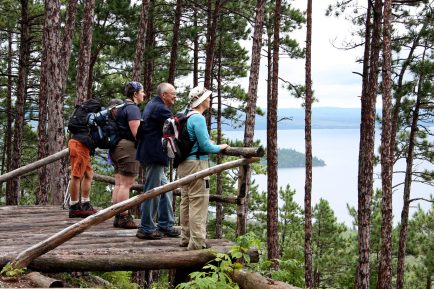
x,y
337,181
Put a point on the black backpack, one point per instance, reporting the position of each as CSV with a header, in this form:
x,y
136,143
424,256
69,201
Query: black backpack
x,y
176,140
89,118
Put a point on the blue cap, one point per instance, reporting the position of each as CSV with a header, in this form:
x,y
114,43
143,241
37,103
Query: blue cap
x,y
133,85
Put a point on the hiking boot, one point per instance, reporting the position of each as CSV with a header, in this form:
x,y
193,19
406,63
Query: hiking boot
x,y
125,222
87,210
155,235
171,232
75,211
116,221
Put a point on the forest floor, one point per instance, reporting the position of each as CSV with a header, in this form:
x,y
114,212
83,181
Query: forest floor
x,y
68,280
21,282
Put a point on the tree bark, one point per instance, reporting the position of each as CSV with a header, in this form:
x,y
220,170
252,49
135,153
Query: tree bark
x,y
385,267
249,128
175,40
213,16
272,162
219,181
126,262
195,50
43,281
149,64
84,53
68,33
8,135
52,87
140,44
366,146
12,196
25,257
308,262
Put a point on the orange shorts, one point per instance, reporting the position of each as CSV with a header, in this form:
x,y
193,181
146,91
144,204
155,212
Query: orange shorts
x,y
79,156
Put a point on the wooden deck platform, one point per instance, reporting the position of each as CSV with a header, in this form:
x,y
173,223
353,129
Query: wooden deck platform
x,y
101,248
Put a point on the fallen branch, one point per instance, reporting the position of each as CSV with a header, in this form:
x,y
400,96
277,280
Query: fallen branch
x,y
43,281
25,257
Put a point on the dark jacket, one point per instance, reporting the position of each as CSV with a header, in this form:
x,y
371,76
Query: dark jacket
x,y
150,149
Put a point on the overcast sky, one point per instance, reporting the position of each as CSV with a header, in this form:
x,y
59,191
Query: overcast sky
x,y
334,83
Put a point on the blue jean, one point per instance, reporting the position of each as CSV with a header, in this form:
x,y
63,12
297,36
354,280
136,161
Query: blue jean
x,y
155,177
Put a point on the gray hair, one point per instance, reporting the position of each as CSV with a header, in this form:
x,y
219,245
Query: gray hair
x,y
163,87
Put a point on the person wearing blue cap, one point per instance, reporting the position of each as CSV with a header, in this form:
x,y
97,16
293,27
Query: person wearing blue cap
x,y
123,155
154,160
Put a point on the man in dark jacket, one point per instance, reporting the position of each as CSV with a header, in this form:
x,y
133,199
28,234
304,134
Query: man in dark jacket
x,y
154,161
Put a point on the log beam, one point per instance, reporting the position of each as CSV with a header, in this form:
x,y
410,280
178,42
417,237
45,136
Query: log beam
x,y
33,166
247,152
177,192
125,262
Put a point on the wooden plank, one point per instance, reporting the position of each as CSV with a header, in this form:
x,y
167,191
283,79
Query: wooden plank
x,y
25,257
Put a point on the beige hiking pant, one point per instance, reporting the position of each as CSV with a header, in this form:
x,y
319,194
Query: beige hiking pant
x,y
194,205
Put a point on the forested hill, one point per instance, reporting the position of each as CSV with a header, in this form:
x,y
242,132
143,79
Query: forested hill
x,y
322,118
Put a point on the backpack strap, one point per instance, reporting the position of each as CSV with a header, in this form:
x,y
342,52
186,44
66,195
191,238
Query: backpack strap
x,y
198,153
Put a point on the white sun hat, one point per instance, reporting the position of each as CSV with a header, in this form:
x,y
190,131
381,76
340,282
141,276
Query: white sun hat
x,y
197,95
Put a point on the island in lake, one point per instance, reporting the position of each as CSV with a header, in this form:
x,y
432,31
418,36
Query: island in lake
x,y
290,158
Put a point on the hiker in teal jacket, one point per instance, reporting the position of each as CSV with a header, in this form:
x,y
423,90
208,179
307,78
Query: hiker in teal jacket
x,y
195,195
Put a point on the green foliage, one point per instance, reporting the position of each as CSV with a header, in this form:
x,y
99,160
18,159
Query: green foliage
x,y
420,248
10,271
119,279
215,274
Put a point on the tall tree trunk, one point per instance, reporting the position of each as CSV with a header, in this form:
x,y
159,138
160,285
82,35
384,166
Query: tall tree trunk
x,y
407,182
366,146
385,268
407,186
42,193
12,195
53,89
249,128
8,135
308,275
175,40
149,64
195,50
92,62
219,181
272,164
211,41
85,51
64,57
140,44
68,33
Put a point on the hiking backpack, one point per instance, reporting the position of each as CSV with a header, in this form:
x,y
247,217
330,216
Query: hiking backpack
x,y
176,140
91,119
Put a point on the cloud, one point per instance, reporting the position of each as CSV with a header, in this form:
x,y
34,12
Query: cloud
x,y
334,80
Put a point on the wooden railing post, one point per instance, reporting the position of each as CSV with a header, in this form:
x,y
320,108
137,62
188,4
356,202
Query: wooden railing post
x,y
242,201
